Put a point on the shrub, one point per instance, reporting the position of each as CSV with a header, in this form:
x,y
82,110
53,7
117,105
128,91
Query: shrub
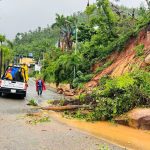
x,y
142,81
117,85
103,67
82,97
139,50
32,102
121,94
81,79
103,110
104,147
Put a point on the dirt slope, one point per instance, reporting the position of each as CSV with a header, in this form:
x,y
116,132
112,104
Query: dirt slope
x,y
125,60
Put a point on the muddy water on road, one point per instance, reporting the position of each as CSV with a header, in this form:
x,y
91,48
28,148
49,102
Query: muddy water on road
x,y
128,137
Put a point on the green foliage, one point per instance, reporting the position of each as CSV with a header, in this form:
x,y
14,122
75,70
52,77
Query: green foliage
x,y
33,74
62,69
44,119
6,53
79,115
142,80
85,32
35,119
82,97
117,85
62,102
50,102
101,31
98,70
2,38
90,10
36,42
67,27
81,79
121,94
139,50
32,102
104,147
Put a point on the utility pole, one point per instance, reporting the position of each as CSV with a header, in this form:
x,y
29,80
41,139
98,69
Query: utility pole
x,y
76,48
76,38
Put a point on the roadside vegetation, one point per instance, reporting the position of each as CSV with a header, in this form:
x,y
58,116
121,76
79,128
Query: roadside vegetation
x,y
6,53
74,44
32,102
115,96
36,118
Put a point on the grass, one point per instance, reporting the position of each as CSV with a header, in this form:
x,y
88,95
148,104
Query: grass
x,y
50,101
32,102
104,147
139,50
34,119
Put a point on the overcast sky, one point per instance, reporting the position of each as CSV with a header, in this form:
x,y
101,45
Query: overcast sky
x,y
24,15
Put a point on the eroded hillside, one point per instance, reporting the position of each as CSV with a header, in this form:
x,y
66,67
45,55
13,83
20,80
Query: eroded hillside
x,y
127,59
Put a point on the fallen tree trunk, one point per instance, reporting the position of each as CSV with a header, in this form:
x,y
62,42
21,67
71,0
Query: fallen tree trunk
x,y
62,108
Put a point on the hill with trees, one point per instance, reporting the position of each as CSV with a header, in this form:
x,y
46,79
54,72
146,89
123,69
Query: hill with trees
x,y
98,45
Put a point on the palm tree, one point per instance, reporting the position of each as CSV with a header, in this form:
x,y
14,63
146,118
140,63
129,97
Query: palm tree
x,y
66,27
60,19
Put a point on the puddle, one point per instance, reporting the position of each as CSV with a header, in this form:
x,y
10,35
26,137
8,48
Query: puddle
x,y
125,136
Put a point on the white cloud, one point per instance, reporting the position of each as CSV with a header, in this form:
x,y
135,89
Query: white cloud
x,y
23,15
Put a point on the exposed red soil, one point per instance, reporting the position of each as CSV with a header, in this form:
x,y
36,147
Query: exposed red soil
x,y
125,60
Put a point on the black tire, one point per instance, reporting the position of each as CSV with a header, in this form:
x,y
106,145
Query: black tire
x,y
23,96
0,93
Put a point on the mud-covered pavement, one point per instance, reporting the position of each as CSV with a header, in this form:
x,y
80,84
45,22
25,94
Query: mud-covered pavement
x,y
16,134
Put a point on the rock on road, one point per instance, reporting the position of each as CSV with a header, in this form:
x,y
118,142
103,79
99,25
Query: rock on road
x,y
16,134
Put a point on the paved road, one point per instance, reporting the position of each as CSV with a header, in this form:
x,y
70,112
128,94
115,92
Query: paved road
x,y
16,134
47,95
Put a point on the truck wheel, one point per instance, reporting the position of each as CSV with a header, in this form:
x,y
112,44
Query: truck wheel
x,y
23,96
0,93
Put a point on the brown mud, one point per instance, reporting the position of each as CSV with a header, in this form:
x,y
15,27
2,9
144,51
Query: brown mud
x,y
125,60
121,135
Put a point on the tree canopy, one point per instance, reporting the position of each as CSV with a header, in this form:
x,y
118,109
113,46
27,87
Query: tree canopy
x,y
101,29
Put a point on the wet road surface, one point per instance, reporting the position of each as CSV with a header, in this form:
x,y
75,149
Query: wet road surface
x,y
16,134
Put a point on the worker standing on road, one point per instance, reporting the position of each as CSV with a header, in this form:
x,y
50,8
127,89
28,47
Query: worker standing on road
x,y
25,67
40,86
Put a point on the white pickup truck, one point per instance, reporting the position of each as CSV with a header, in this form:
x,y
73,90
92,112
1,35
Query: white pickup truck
x,y
13,86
